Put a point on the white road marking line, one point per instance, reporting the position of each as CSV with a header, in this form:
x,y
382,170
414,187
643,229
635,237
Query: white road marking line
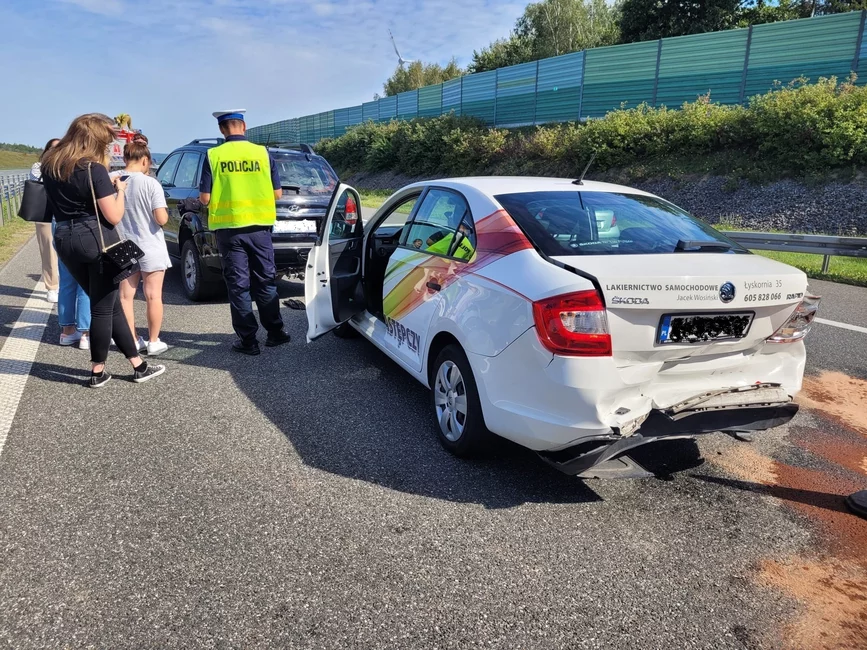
x,y
845,326
18,354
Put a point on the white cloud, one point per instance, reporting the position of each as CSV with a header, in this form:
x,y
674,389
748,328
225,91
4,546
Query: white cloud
x,y
102,7
323,8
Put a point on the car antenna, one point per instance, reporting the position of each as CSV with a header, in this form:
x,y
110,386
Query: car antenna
x,y
580,180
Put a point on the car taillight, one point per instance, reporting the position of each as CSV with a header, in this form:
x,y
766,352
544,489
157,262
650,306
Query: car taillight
x,y
351,211
573,324
613,221
799,323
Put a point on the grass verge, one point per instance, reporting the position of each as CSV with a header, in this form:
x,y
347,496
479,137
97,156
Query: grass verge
x,y
374,198
846,270
14,233
16,160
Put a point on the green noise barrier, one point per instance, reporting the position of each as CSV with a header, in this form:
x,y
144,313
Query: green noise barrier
x,y
730,66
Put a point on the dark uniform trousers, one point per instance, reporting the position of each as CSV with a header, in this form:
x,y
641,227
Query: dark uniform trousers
x,y
250,274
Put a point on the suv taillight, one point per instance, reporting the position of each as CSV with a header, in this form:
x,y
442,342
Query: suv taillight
x,y
351,212
799,323
573,324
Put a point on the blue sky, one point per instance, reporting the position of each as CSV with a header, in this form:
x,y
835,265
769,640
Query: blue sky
x,y
170,63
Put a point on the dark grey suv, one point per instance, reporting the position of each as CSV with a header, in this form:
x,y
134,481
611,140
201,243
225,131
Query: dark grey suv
x,y
308,182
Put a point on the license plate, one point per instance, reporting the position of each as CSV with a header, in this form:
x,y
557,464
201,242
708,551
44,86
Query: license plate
x,y
703,328
302,226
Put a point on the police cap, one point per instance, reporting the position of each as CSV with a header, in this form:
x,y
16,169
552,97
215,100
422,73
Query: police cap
x,y
235,114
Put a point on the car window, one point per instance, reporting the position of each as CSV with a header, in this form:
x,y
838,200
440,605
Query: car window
x,y
609,223
167,170
399,214
443,225
187,170
346,223
312,177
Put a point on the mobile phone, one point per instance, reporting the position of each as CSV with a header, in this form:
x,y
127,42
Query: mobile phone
x,y
124,177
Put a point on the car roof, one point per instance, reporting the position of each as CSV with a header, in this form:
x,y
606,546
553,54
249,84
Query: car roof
x,y
197,145
494,185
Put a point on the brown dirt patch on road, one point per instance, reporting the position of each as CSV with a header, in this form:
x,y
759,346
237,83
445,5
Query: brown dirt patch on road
x,y
834,595
831,582
838,395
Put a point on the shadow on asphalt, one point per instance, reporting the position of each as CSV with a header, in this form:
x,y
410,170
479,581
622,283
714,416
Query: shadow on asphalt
x,y
173,294
349,410
824,500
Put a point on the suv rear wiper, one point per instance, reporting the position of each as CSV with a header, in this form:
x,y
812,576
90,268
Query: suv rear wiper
x,y
691,245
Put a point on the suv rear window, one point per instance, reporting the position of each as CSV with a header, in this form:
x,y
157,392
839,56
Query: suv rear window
x,y
609,223
313,176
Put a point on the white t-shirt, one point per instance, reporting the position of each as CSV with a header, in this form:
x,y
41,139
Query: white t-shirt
x,y
144,194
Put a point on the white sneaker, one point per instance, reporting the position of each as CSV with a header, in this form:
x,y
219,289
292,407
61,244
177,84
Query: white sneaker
x,y
141,345
70,339
84,343
156,347
52,296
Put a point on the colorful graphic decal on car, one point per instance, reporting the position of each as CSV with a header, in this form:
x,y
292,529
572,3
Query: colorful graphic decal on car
x,y
405,287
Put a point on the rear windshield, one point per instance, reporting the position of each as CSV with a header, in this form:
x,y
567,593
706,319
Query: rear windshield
x,y
610,223
312,176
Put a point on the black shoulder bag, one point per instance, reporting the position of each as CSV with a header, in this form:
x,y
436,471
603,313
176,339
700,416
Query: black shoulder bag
x,y
34,204
122,258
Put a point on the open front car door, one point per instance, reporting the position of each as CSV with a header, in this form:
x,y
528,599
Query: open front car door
x,y
332,283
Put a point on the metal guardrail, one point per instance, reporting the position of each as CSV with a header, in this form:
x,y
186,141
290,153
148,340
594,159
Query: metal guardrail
x,y
11,192
826,245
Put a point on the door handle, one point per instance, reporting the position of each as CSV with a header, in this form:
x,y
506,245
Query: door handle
x,y
433,286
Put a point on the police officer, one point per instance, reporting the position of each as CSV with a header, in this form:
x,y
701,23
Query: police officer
x,y
240,185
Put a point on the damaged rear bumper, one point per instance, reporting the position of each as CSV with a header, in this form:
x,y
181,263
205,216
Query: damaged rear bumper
x,y
751,408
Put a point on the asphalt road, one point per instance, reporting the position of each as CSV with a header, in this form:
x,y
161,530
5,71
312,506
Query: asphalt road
x,y
300,499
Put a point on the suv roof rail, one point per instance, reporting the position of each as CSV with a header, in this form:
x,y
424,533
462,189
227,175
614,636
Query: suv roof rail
x,y
207,140
303,148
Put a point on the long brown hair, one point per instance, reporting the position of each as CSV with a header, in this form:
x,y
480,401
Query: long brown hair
x,y
87,139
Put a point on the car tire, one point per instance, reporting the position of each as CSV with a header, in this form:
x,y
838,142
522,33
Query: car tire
x,y
460,431
196,286
346,331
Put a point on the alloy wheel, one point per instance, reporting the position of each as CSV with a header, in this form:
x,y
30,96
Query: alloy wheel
x,y
450,400
190,270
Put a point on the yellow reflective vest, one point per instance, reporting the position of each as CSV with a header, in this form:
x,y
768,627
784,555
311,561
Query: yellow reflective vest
x,y
464,250
242,194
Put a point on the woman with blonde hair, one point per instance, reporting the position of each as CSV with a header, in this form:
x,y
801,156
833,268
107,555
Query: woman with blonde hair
x,y
73,172
144,216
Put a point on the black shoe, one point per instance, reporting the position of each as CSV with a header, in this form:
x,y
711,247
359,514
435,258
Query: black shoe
x,y
146,372
252,349
276,339
98,381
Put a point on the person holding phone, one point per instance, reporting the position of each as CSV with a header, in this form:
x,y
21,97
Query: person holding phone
x,y
144,216
85,200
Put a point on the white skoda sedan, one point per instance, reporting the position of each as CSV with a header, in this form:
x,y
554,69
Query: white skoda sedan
x,y
506,299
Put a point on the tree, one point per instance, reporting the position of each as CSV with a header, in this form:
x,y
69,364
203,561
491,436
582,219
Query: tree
x,y
418,74
501,53
644,20
561,26
550,28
